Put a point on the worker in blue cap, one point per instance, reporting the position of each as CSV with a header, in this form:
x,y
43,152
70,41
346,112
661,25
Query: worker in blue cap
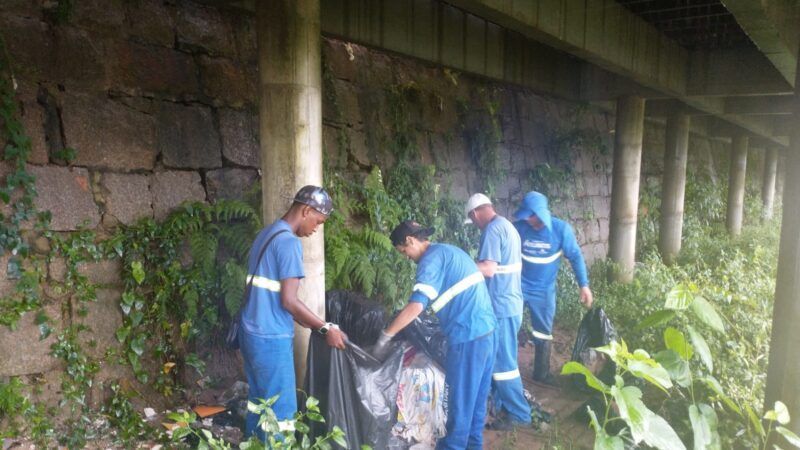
x,y
275,268
544,240
500,263
449,283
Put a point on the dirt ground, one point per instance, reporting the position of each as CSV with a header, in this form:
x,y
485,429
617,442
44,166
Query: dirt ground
x,y
565,431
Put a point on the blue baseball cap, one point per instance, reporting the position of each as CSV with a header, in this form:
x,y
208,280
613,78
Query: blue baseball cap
x,y
534,203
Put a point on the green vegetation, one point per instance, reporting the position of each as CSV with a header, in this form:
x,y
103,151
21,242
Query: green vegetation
x,y
276,436
719,293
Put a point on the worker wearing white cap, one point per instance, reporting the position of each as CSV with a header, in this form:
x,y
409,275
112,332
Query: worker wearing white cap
x,y
499,260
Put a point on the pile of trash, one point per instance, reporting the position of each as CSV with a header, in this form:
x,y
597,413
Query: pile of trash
x,y
399,403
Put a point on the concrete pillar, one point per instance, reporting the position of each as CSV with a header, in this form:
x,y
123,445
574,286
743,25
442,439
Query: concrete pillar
x,y
780,181
736,178
783,372
673,186
768,182
625,186
290,122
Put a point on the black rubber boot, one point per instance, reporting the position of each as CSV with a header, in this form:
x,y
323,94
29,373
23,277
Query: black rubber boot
x,y
541,363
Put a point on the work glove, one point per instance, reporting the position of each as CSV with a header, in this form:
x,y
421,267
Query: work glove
x,y
382,347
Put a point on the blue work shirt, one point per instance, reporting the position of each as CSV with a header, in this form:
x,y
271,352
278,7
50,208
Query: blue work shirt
x,y
449,282
500,242
264,315
541,255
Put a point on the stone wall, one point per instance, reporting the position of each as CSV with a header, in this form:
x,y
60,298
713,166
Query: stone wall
x,y
159,101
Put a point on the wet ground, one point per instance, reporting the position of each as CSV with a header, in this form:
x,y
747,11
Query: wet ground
x,y
566,431
568,428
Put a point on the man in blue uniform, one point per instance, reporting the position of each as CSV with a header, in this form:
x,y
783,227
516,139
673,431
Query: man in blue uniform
x,y
499,261
450,284
267,327
544,240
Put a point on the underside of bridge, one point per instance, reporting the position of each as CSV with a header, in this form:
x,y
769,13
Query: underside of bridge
x,y
724,69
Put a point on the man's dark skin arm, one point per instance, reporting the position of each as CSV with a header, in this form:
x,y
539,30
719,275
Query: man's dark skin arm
x,y
304,316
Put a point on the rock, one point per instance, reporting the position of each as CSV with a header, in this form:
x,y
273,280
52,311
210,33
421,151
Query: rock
x,y
229,183
244,35
172,188
66,194
227,83
151,21
203,29
149,413
32,117
187,137
30,46
108,134
103,272
239,130
57,269
158,71
105,17
22,351
103,317
78,60
127,197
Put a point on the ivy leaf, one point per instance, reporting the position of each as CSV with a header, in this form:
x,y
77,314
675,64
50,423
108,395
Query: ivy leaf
x,y
136,318
706,312
574,367
679,297
137,345
677,367
137,271
676,341
702,348
123,333
655,319
789,436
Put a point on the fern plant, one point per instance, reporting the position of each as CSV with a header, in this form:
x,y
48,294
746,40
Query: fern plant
x,y
182,277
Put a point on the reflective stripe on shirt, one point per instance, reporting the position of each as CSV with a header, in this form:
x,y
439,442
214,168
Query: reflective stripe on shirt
x,y
510,268
456,289
265,283
426,289
545,260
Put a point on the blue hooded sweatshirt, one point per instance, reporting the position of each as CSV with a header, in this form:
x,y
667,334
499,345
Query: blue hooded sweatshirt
x,y
542,249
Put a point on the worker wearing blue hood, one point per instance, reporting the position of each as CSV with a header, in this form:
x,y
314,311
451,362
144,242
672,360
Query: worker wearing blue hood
x,y
544,240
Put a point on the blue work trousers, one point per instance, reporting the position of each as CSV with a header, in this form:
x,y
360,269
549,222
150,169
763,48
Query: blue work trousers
x,y
468,374
269,365
542,306
506,382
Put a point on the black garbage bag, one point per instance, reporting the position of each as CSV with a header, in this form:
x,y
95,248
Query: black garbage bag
x,y
361,318
595,330
356,392
425,334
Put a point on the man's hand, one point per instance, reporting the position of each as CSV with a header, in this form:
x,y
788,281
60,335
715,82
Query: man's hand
x,y
336,338
586,297
381,348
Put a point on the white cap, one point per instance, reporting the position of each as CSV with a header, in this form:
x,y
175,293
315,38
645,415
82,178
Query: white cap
x,y
475,201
